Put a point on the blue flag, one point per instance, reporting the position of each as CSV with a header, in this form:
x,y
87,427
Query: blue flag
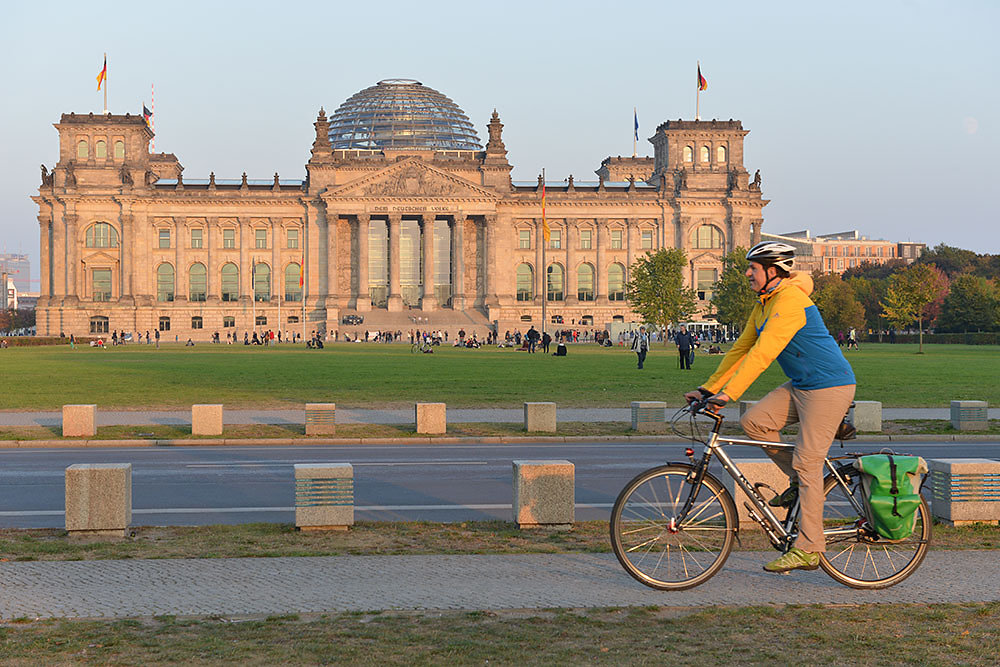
x,y
636,112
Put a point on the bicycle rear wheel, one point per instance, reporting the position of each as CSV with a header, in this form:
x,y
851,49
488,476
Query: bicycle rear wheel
x,y
855,556
657,551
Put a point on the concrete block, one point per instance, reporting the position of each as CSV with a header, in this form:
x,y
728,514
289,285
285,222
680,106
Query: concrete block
x,y
540,417
321,418
99,498
866,416
430,418
649,415
79,421
965,491
206,419
746,405
324,496
544,494
969,416
756,470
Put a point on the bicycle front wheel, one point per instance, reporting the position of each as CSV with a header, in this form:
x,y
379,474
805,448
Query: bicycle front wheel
x,y
854,555
660,551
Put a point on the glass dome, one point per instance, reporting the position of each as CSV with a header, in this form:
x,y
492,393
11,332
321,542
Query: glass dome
x,y
401,113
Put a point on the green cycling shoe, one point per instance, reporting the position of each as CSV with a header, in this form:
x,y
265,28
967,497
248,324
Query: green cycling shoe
x,y
795,559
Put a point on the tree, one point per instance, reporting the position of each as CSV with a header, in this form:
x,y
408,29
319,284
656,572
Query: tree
x,y
733,298
909,296
951,260
6,317
870,292
872,270
837,303
656,290
972,304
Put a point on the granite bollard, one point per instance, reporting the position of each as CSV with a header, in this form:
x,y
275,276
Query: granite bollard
x,y
321,418
206,419
431,418
867,416
99,498
759,470
965,491
969,416
544,494
79,421
649,415
324,496
540,417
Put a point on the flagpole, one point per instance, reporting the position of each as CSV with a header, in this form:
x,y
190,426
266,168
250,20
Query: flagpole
x,y
545,275
253,292
105,85
697,95
635,118
152,118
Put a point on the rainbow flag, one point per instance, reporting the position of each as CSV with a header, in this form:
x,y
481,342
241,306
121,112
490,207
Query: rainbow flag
x,y
103,76
702,83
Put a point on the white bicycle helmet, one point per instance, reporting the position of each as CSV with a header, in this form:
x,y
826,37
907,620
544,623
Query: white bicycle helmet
x,y
772,253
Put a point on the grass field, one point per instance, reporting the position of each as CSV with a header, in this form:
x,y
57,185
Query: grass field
x,y
366,375
956,634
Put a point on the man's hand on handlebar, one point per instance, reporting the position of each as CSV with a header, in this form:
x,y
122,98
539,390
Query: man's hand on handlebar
x,y
697,395
706,399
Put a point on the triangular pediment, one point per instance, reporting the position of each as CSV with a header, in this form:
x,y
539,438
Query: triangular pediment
x,y
101,256
707,255
410,179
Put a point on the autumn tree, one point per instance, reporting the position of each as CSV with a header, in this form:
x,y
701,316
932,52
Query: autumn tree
x,y
657,291
972,304
909,296
837,303
733,298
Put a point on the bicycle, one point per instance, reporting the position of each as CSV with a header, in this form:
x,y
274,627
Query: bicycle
x,y
421,346
673,526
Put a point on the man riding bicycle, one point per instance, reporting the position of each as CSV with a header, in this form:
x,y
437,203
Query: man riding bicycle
x,y
786,325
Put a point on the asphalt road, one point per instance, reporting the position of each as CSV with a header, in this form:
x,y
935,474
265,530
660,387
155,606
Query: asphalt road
x,y
206,485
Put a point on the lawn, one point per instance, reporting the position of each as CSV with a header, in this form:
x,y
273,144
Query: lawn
x,y
368,375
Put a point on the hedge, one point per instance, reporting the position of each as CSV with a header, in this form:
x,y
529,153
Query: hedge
x,y
980,338
32,341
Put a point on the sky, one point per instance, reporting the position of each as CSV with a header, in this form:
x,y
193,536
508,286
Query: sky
x,y
878,116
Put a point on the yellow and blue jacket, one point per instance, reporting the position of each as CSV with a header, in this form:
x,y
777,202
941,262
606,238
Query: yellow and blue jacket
x,y
784,325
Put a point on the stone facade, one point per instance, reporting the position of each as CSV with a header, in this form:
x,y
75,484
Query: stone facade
x,y
396,236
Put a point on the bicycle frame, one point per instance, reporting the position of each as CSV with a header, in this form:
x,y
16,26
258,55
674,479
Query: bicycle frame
x,y
780,533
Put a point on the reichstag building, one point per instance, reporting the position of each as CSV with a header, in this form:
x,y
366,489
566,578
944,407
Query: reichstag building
x,y
404,220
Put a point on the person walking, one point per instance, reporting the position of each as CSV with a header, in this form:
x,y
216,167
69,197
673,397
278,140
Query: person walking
x,y
786,325
640,345
852,339
685,346
546,340
156,334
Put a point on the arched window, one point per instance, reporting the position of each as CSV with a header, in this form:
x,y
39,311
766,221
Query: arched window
x,y
720,154
230,282
262,282
119,150
165,282
102,235
98,324
706,236
82,149
585,282
525,282
293,289
198,281
101,150
616,282
554,282
704,153
688,154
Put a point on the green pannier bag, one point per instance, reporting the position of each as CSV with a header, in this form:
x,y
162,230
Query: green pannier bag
x,y
891,486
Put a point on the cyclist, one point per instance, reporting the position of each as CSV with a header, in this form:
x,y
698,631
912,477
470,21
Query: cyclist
x,y
786,325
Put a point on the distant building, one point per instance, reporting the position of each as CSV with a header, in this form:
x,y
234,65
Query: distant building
x,y
9,300
17,267
835,253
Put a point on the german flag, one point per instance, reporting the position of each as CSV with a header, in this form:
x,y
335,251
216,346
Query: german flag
x,y
702,83
103,76
146,114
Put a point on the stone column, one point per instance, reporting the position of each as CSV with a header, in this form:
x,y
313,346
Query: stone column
x,y
631,245
540,291
277,275
58,251
180,270
490,262
72,255
246,273
572,241
395,298
363,302
332,263
600,271
458,261
428,302
211,232
45,285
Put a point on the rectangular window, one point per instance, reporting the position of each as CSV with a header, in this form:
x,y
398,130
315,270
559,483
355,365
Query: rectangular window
x,y
164,324
196,238
524,239
586,239
228,322
555,239
228,238
616,239
101,283
293,238
647,239
164,238
196,322
706,283
260,238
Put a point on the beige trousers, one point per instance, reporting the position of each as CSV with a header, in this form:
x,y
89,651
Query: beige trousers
x,y
819,413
